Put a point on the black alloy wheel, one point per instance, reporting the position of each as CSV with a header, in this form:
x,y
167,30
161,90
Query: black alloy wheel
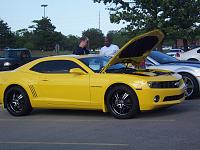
x,y
17,101
122,102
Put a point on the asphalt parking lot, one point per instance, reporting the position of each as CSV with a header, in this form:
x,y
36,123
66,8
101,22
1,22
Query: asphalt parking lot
x,y
174,128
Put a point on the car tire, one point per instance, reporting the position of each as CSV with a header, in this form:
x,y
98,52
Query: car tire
x,y
192,87
17,101
122,102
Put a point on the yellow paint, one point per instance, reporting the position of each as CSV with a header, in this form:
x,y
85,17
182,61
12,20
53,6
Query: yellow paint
x,y
87,91
76,90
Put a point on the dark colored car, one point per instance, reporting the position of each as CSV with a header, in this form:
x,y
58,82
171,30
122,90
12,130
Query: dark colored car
x,y
13,58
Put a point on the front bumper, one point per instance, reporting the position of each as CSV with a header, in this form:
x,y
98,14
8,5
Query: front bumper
x,y
167,97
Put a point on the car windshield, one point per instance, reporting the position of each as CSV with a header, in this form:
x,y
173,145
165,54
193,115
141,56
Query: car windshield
x,y
161,57
97,63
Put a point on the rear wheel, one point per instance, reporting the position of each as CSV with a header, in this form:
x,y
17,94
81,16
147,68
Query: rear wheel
x,y
192,87
17,101
122,102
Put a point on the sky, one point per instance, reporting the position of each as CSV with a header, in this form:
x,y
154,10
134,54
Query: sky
x,y
69,16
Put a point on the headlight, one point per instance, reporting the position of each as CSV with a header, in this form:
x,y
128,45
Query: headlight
x,y
139,84
6,64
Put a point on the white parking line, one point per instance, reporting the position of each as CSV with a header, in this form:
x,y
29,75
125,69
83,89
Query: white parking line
x,y
63,143
156,120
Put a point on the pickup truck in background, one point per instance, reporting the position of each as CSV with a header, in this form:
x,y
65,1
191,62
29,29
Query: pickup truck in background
x,y
13,58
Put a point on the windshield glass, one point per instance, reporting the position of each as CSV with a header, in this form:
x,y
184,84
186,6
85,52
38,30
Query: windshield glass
x,y
11,54
15,54
161,57
97,63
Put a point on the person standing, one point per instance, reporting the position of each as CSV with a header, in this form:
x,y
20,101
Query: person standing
x,y
108,49
82,49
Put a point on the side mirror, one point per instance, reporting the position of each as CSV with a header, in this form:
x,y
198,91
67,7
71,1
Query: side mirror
x,y
77,71
198,51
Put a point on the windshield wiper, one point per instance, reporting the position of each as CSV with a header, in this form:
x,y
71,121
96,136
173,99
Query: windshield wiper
x,y
116,68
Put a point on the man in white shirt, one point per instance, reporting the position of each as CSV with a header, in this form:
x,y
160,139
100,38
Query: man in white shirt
x,y
109,49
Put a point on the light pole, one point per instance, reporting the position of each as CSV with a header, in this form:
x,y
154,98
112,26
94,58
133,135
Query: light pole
x,y
99,20
44,8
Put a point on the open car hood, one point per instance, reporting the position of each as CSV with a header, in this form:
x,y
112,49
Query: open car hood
x,y
137,49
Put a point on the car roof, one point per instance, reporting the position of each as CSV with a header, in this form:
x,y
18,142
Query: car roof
x,y
76,56
58,57
15,49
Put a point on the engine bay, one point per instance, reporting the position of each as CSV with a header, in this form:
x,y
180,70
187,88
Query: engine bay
x,y
140,72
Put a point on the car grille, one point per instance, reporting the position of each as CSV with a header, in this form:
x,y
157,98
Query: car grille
x,y
165,84
172,98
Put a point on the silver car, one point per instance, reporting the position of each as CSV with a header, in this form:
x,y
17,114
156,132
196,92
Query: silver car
x,y
189,70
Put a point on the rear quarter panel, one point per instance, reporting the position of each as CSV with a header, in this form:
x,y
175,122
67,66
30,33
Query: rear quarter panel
x,y
22,79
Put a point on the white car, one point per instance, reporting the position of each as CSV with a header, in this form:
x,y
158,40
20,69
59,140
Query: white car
x,y
189,70
175,52
192,55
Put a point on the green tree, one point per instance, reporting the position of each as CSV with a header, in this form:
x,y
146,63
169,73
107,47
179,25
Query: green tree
x,y
24,38
70,42
45,36
175,18
183,19
120,37
6,36
96,38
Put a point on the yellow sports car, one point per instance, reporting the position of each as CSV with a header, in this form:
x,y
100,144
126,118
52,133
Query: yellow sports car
x,y
93,82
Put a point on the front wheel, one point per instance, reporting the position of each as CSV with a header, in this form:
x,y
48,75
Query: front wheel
x,y
122,102
17,101
192,87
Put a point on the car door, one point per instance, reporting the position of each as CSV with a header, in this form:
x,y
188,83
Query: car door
x,y
59,87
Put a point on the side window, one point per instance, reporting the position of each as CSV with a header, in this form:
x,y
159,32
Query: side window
x,y
55,66
25,54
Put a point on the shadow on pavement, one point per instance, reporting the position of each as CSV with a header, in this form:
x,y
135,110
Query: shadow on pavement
x,y
170,111
186,106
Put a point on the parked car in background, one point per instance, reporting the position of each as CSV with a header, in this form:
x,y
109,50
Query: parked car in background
x,y
166,48
192,55
13,58
189,70
174,52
